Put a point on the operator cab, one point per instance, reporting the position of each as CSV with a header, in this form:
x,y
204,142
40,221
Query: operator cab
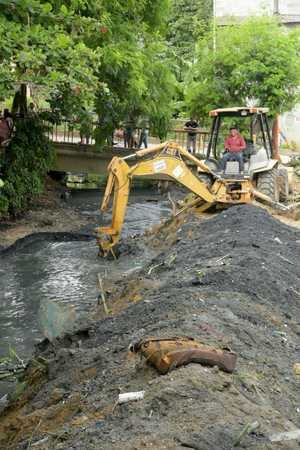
x,y
253,126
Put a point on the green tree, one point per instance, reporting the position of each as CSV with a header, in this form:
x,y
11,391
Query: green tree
x,y
139,85
23,167
189,21
103,54
75,48
256,61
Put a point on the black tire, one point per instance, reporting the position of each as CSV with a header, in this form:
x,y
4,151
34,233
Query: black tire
x,y
206,178
283,180
213,164
267,183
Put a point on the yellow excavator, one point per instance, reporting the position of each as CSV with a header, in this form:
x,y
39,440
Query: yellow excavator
x,y
210,186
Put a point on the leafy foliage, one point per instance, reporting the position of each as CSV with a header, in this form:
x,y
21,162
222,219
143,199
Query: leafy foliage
x,y
76,50
26,162
107,55
189,21
141,85
255,61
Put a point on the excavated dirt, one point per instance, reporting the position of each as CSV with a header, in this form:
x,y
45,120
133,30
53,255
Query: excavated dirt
x,y
231,280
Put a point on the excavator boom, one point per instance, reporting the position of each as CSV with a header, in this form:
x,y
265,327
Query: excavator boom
x,y
166,160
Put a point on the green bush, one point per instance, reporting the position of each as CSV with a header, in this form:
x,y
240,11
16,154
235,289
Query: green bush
x,y
24,166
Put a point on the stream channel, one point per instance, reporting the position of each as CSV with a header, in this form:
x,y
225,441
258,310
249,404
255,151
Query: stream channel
x,y
63,271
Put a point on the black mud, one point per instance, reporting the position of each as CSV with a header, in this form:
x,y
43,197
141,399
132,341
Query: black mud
x,y
232,280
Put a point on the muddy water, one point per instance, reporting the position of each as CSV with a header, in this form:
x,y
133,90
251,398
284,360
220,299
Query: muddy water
x,y
65,272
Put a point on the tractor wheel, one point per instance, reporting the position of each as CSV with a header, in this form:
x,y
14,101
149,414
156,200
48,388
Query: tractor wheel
x,y
205,178
213,164
283,180
267,183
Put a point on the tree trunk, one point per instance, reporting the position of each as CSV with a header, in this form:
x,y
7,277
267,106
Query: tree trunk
x,y
19,105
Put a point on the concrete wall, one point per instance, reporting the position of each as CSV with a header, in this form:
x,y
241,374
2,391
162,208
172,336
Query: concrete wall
x,y
290,127
289,7
243,8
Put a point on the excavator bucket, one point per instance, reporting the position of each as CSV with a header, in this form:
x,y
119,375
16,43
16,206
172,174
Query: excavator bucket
x,y
118,183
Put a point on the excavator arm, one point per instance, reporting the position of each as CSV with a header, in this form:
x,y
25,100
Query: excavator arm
x,y
165,160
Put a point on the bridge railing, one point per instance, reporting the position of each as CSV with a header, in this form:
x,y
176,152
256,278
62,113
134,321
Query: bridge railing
x,y
70,132
179,135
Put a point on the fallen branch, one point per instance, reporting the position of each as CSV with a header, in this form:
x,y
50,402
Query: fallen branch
x,y
13,354
189,444
285,436
221,259
249,428
106,310
174,209
154,267
42,441
285,259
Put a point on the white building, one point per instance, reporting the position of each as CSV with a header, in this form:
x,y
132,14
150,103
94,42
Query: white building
x,y
288,10
289,13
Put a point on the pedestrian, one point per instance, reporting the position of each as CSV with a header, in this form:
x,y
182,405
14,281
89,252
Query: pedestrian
x,y
6,126
31,110
128,136
144,137
191,128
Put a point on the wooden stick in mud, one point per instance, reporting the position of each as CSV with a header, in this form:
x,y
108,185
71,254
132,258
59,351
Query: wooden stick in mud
x,y
102,294
174,209
249,428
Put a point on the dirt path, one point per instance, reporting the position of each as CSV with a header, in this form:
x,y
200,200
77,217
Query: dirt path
x,y
233,281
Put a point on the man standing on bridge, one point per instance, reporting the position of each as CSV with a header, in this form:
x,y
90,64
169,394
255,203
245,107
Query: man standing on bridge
x,y
191,127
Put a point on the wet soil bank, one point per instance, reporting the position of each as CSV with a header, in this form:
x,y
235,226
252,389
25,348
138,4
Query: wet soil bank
x,y
50,212
232,280
48,279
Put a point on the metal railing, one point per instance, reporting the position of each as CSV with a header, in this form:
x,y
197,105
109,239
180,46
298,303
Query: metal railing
x,y
70,132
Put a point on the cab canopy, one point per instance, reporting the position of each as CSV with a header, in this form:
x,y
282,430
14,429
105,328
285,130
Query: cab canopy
x,y
252,121
238,111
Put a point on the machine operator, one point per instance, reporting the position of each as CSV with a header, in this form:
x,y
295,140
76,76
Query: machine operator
x,y
234,146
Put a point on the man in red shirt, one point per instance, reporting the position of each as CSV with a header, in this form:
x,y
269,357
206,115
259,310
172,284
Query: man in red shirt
x,y
234,146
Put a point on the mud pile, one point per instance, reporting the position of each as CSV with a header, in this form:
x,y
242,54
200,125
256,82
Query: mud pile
x,y
233,281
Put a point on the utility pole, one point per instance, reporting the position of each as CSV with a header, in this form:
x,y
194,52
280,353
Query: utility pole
x,y
276,7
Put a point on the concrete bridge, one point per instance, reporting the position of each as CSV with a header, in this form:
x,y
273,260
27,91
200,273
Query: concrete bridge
x,y
74,157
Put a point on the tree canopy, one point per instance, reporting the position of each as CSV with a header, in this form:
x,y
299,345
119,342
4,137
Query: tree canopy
x,y
257,61
188,22
108,49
